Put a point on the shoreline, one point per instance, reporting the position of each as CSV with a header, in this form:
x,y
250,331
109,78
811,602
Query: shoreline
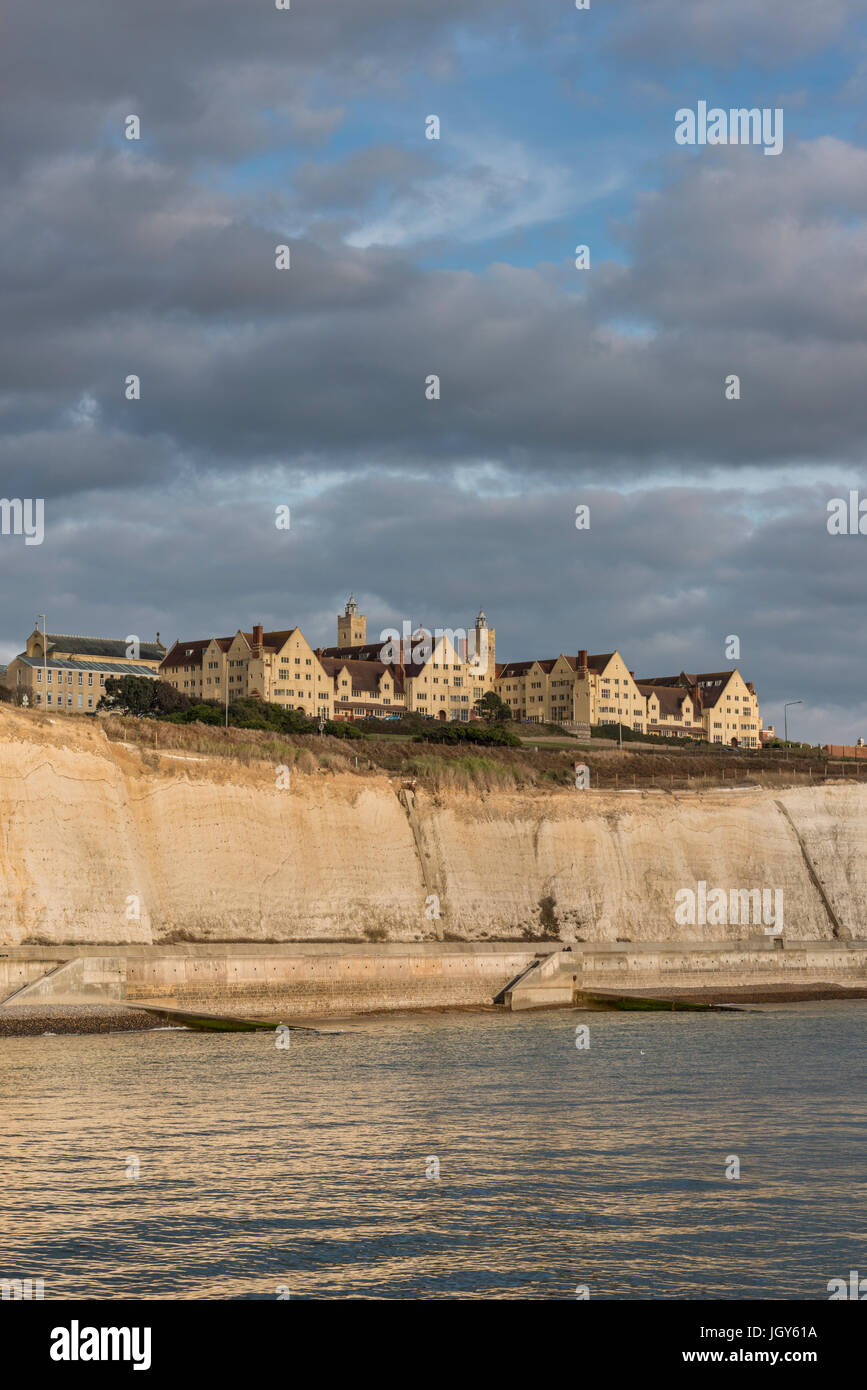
x,y
83,1019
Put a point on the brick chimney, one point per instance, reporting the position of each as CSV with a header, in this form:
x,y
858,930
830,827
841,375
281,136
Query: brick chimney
x,y
257,640
582,660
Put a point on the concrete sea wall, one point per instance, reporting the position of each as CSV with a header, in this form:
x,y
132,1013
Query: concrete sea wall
x,y
315,979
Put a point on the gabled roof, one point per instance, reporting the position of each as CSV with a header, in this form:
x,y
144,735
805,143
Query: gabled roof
x,y
670,697
598,663
189,653
711,684
100,646
271,641
520,668
372,651
547,664
365,675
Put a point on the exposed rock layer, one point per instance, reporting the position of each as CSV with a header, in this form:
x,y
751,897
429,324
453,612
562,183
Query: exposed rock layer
x,y
99,845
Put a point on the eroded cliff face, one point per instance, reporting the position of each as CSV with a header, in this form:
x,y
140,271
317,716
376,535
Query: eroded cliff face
x,y
100,842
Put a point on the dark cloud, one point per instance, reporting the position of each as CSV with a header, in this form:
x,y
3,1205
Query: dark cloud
x,y
683,569
306,387
670,33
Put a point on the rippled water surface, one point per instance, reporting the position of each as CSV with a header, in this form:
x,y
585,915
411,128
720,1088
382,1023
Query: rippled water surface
x,y
306,1168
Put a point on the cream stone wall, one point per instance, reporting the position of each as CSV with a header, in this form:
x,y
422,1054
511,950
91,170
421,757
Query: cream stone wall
x,y
445,686
735,715
617,697
564,692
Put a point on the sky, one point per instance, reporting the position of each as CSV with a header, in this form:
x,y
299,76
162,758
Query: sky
x,y
603,386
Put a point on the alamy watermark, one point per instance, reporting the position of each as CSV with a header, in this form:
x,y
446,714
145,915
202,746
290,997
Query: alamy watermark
x,y
417,646
855,1289
847,516
737,906
16,1290
77,1343
737,126
23,516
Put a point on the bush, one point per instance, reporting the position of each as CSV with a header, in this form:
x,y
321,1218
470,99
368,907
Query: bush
x,y
196,714
412,724
341,728
469,733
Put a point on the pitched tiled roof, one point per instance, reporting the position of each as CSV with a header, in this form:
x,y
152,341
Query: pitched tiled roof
x,y
547,664
373,652
598,663
711,684
520,668
187,653
271,641
100,646
670,697
365,675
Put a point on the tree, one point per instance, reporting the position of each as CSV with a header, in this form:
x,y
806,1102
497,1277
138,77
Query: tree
x,y
492,709
131,694
166,699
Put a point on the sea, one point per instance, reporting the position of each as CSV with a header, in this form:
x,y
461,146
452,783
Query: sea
x,y
443,1155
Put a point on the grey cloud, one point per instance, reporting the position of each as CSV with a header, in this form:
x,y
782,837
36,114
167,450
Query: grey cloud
x,y
753,273
202,73
692,566
670,33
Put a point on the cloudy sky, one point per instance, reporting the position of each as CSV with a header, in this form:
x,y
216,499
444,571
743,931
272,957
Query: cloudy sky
x,y
559,387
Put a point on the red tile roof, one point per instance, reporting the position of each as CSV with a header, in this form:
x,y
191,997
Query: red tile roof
x,y
365,675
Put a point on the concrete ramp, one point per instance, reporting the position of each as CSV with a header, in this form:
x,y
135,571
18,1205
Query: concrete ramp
x,y
547,984
85,980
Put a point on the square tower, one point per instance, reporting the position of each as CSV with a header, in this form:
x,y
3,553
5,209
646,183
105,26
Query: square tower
x,y
351,626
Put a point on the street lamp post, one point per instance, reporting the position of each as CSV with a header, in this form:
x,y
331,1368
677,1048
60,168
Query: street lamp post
x,y
786,721
44,661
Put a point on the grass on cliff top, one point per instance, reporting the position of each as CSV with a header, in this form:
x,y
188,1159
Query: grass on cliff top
x,y
455,767
438,766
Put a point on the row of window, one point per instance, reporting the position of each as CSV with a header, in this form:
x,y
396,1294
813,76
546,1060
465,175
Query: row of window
x,y
69,675
59,701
